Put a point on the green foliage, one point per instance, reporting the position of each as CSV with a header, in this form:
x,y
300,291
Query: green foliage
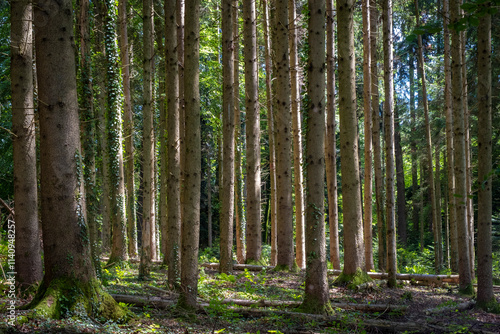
x,y
416,261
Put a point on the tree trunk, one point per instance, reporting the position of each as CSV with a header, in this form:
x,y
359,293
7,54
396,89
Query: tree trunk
x,y
297,137
227,208
28,262
484,255
389,144
459,153
115,142
377,151
173,147
353,221
400,183
282,121
449,142
316,299
192,171
70,281
413,149
270,125
367,107
128,129
331,139
253,236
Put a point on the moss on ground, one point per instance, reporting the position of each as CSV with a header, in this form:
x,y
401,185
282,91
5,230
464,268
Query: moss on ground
x,y
353,280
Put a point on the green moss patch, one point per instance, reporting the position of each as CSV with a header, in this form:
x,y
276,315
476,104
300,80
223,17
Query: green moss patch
x,y
353,280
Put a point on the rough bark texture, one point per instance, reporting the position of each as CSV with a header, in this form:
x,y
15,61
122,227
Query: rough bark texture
x,y
316,299
459,153
484,256
114,140
389,143
128,129
227,208
283,124
192,171
331,139
66,239
253,232
367,107
297,138
28,262
400,183
173,147
353,220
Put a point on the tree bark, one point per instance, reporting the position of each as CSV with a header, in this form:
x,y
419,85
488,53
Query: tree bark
x,y
353,220
331,139
28,261
400,183
190,230
253,236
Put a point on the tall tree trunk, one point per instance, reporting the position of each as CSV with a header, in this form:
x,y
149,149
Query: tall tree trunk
x,y
254,239
173,147
449,142
283,123
367,107
389,143
115,141
413,149
484,256
128,128
459,153
209,198
331,139
428,139
400,183
227,208
297,138
69,271
181,13
377,150
28,262
273,205
316,299
192,171
438,225
351,196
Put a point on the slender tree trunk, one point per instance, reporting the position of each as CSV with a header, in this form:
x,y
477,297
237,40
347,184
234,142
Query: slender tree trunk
x,y
377,151
432,188
353,221
316,299
128,128
28,262
283,123
181,13
192,171
331,139
413,148
173,147
400,183
484,256
115,141
449,142
439,223
227,208
254,239
459,153
367,106
297,138
209,198
270,125
389,143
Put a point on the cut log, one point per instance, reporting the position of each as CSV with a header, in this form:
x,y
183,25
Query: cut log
x,y
436,279
142,301
460,307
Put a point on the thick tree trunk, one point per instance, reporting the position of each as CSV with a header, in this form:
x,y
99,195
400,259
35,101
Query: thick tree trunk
x,y
115,141
367,107
173,160
28,262
459,153
316,299
389,143
192,171
128,128
331,139
297,138
282,121
353,220
253,236
227,208
484,256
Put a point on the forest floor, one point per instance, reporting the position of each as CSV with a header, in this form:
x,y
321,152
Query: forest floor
x,y
406,309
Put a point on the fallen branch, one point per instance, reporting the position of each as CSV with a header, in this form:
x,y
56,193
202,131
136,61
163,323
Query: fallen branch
x,y
5,205
436,279
143,301
250,267
460,307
